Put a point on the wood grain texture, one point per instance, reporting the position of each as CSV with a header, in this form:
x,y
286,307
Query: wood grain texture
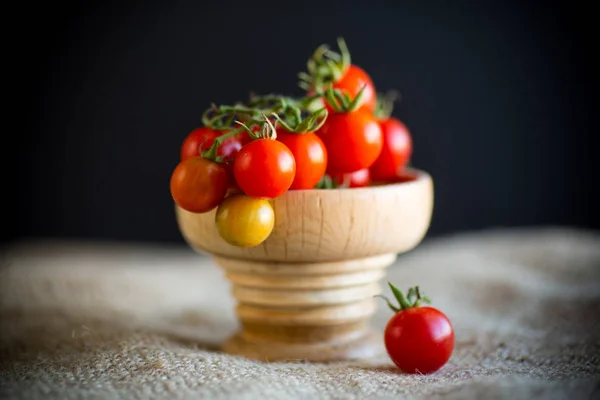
x,y
329,225
307,291
315,315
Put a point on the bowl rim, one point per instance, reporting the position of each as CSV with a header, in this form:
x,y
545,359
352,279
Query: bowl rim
x,y
415,189
420,176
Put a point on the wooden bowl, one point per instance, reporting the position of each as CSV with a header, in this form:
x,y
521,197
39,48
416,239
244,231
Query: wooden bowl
x,y
306,293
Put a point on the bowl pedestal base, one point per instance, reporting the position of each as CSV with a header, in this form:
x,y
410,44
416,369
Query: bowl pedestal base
x,y
315,312
368,345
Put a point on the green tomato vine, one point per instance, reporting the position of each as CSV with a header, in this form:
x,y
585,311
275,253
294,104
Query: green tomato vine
x,y
259,114
384,106
325,67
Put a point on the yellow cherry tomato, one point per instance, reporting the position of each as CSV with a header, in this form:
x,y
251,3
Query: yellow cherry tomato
x,y
244,221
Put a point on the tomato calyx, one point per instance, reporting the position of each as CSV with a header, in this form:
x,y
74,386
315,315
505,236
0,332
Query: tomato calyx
x,y
267,130
294,122
326,182
211,152
325,66
341,102
413,298
384,105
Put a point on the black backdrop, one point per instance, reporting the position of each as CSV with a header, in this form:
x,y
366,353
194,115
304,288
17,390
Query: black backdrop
x,y
499,97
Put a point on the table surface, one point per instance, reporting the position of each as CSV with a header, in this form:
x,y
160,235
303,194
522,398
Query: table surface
x,y
103,320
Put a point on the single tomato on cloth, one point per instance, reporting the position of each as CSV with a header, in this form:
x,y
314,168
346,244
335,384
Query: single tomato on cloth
x,y
419,339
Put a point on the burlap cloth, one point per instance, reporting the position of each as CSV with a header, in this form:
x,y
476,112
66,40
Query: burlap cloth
x,y
140,322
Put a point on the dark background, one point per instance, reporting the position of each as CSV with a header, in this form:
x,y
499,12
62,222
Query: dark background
x,y
500,98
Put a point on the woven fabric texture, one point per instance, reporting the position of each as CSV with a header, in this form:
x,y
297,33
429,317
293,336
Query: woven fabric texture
x,y
105,321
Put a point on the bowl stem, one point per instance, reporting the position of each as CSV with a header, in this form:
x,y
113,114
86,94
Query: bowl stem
x,y
305,311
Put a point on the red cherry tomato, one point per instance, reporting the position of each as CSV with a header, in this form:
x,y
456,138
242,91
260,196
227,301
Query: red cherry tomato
x,y
264,168
310,156
396,152
418,339
353,140
201,139
360,178
198,185
191,145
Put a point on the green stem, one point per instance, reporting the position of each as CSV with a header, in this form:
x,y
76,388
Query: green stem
x,y
341,102
238,109
385,104
405,302
239,116
296,124
267,130
402,300
331,99
307,100
297,115
247,129
389,303
411,295
346,59
211,152
269,103
325,66
327,182
420,298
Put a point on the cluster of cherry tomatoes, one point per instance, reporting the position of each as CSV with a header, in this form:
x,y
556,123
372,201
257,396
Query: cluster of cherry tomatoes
x,y
340,134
